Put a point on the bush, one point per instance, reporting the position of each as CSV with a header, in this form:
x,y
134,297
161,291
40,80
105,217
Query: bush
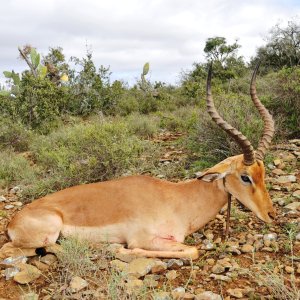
x,y
87,153
39,101
14,169
13,135
284,100
145,126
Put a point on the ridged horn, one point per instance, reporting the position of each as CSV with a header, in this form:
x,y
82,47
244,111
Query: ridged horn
x,y
269,130
238,137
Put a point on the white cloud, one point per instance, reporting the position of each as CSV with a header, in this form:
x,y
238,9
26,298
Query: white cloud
x,y
170,34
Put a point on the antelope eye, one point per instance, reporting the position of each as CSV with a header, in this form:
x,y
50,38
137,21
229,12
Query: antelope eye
x,y
245,179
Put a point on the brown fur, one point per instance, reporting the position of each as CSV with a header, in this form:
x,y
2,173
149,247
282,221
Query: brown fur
x,y
150,215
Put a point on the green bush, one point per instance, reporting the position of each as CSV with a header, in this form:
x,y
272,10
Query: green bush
x,y
87,153
14,135
40,101
284,100
144,126
14,169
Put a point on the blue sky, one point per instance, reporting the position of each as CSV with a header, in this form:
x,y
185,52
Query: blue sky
x,y
170,34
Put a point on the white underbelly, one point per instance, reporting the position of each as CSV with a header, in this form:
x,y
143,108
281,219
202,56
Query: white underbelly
x,y
110,233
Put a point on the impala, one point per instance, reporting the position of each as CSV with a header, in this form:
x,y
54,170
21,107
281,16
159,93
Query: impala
x,y
149,215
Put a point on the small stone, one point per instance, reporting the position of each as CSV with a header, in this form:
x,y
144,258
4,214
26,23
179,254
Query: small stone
x,y
267,249
8,206
220,277
188,296
208,295
17,203
247,248
258,244
207,245
30,296
298,236
271,166
277,162
171,275
2,199
11,272
78,284
210,236
286,179
158,267
134,284
15,190
119,265
289,269
41,266
27,274
48,259
140,266
296,194
178,293
278,172
272,237
125,257
236,293
293,206
150,282
174,264
161,296
210,261
218,269
197,237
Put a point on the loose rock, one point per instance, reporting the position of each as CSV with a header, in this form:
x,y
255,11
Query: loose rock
x,y
178,293
293,206
247,248
208,295
158,267
78,284
174,264
236,293
27,274
171,275
30,296
140,267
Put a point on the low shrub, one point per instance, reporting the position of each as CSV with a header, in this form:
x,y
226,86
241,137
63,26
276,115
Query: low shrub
x,y
87,152
14,135
144,126
15,169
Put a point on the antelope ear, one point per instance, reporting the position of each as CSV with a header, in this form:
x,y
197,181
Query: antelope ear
x,y
209,177
216,172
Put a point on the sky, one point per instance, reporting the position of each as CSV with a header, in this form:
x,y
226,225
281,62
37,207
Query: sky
x,y
123,35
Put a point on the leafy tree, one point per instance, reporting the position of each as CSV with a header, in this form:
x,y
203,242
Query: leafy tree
x,y
227,65
282,47
218,50
89,86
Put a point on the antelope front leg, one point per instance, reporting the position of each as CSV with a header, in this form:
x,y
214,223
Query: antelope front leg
x,y
164,249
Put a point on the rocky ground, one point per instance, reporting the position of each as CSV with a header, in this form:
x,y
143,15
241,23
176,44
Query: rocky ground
x,y
258,261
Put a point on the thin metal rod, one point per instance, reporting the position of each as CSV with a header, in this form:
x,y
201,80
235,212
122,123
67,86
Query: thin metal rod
x,y
228,217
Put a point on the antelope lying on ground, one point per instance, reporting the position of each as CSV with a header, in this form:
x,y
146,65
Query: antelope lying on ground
x,y
151,216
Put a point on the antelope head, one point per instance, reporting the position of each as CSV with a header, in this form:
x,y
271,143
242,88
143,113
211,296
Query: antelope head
x,y
243,175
